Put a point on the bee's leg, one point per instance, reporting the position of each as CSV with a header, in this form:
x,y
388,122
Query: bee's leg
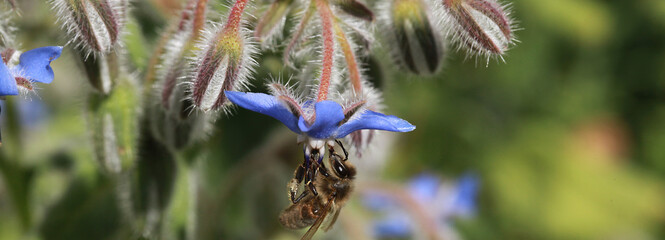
x,y
323,170
302,195
294,184
309,180
346,154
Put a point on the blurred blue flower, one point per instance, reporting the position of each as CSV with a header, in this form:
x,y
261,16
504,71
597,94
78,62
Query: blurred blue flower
x,y
396,224
33,66
32,112
330,121
441,201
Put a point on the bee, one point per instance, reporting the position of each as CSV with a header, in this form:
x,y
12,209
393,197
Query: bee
x,y
325,199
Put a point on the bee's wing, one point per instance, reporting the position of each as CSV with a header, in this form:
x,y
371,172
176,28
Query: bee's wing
x,y
312,230
333,219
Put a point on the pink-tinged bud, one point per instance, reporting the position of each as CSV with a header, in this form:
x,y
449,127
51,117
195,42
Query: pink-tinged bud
x,y
415,42
271,24
93,25
483,26
224,63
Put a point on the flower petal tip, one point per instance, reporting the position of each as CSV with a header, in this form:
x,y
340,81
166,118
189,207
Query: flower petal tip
x,y
35,64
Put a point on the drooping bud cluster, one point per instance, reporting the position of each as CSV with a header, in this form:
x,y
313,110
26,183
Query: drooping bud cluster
x,y
224,62
410,28
94,25
173,121
483,26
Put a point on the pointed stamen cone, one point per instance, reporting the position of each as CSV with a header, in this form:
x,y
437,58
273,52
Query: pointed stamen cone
x,y
416,45
483,26
271,24
93,25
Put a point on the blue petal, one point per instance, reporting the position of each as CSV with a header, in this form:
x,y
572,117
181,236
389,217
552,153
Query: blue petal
x,y
328,116
378,201
374,120
393,226
34,64
265,104
7,81
424,187
467,191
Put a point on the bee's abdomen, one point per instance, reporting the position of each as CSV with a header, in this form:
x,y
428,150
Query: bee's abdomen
x,y
301,215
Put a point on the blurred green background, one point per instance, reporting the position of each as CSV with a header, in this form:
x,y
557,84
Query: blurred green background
x,y
567,137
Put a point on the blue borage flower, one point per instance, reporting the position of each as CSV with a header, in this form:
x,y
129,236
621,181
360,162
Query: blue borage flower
x,y
329,121
33,66
317,123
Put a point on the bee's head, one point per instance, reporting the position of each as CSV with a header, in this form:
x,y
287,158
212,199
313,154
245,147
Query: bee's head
x,y
342,169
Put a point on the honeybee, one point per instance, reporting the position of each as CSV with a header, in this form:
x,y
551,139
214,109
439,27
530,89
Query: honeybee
x,y
325,199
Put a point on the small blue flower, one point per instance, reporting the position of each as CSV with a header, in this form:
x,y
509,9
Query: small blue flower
x,y
329,122
34,66
441,201
467,194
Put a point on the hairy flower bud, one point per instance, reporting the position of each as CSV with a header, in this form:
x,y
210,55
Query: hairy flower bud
x,y
409,28
101,71
94,25
173,122
355,8
6,30
114,124
177,43
482,25
12,3
223,64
